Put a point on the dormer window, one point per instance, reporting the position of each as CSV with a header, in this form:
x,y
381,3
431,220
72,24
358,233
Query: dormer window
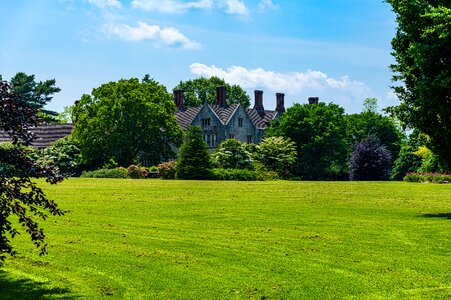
x,y
240,122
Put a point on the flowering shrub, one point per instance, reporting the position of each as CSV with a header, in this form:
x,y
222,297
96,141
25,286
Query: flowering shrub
x,y
428,177
167,170
136,172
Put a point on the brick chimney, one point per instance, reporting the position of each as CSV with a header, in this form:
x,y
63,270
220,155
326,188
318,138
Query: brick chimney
x,y
221,96
313,100
258,105
179,99
280,102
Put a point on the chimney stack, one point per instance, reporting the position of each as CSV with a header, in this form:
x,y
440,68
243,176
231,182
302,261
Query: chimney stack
x,y
280,102
221,96
313,100
179,99
258,105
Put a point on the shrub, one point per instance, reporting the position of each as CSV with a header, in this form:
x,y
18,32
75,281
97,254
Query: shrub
x,y
9,170
232,154
276,154
428,177
106,173
267,175
429,161
136,172
370,160
233,174
167,170
63,154
407,162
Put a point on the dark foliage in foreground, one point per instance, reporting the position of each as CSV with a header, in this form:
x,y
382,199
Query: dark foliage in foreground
x,y
19,195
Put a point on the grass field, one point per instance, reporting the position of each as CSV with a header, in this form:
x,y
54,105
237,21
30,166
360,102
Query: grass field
x,y
155,239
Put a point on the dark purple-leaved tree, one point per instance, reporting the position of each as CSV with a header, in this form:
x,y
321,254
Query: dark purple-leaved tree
x,y
370,160
19,194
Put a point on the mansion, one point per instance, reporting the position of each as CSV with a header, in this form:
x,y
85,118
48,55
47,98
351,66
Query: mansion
x,y
219,121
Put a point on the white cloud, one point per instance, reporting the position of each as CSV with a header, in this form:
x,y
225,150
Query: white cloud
x,y
266,4
168,36
171,6
234,7
106,3
343,90
293,82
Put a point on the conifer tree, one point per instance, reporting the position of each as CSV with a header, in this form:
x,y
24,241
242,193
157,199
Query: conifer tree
x,y
194,161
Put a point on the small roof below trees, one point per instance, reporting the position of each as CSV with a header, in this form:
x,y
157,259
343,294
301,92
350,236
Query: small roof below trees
x,y
45,134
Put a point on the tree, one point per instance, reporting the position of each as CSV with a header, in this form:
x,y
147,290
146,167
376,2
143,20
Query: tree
x,y
232,154
422,48
319,132
407,161
35,94
19,194
201,90
126,121
370,105
360,126
277,154
370,160
194,161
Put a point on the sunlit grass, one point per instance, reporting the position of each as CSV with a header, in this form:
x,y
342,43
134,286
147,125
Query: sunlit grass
x,y
144,239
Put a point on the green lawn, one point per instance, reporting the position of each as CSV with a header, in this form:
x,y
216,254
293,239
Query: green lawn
x,y
155,239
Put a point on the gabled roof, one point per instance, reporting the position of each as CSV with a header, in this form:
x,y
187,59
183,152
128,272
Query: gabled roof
x,y
257,120
186,117
45,134
224,114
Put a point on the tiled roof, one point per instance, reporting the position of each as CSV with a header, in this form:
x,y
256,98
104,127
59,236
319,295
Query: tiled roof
x,y
258,121
45,134
224,113
186,117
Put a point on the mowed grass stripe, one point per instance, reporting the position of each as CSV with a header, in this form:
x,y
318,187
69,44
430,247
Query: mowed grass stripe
x,y
144,239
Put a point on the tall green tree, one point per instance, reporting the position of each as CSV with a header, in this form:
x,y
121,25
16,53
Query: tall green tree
x,y
319,132
362,125
201,90
194,161
126,121
422,48
21,200
34,93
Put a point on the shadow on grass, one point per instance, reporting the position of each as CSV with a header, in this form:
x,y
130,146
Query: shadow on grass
x,y
439,215
26,289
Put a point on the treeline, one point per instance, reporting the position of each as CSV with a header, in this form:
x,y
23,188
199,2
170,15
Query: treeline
x,y
131,122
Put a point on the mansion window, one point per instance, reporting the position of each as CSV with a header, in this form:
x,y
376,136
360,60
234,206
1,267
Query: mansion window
x,y
240,122
205,122
249,139
231,136
210,140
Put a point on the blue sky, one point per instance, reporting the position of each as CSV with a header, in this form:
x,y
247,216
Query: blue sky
x,y
338,50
